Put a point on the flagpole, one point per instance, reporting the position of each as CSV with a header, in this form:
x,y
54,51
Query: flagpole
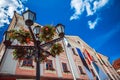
x,y
66,51
90,59
100,63
95,71
99,57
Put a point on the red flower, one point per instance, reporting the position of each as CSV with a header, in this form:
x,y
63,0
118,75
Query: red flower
x,y
46,28
28,40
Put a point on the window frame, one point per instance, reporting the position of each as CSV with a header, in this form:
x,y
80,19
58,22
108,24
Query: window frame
x,y
49,65
65,68
81,70
26,63
74,52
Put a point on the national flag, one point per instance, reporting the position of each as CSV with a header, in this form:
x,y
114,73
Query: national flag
x,y
96,67
82,58
88,61
91,61
85,65
89,56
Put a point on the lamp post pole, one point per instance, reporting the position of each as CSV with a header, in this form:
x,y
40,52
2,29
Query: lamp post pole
x,y
29,17
38,62
36,43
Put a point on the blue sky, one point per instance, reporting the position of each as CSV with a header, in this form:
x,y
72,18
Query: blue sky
x,y
97,22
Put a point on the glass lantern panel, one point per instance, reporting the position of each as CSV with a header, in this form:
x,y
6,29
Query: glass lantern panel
x,y
58,29
31,16
25,15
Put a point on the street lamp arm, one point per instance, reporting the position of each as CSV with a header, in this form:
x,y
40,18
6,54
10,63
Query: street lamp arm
x,y
17,47
51,42
47,53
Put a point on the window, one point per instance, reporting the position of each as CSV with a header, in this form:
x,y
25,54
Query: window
x,y
78,42
65,69
49,65
81,70
74,51
28,62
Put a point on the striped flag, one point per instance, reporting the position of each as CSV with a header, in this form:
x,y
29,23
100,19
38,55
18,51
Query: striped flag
x,y
91,62
82,58
85,65
88,57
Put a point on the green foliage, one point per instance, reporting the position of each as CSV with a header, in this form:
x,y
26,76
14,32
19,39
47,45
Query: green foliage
x,y
56,49
47,33
24,37
19,53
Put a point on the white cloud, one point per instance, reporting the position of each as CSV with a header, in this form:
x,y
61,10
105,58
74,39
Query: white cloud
x,y
90,6
79,8
88,9
99,4
7,8
93,24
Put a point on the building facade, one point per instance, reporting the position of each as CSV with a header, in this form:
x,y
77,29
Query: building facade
x,y
116,65
78,61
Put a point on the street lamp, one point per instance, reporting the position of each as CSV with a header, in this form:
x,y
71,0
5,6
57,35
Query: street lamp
x,y
29,18
8,40
60,30
37,29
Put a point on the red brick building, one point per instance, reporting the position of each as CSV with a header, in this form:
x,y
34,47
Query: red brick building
x,y
116,65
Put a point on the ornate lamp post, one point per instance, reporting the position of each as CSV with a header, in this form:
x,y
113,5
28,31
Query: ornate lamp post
x,y
29,18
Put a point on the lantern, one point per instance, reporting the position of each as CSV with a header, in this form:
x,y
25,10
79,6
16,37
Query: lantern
x,y
60,30
29,17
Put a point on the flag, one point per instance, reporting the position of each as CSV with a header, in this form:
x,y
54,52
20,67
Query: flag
x,y
88,72
90,75
91,61
82,58
96,67
88,55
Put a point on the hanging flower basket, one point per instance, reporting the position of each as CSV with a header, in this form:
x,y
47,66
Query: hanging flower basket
x,y
19,53
47,33
22,36
56,49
